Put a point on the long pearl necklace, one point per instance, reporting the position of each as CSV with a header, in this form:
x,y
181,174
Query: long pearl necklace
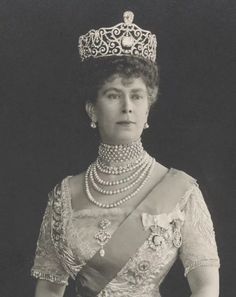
x,y
118,181
120,190
138,162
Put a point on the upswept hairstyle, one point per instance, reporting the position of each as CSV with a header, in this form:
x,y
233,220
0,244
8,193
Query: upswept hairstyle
x,y
97,71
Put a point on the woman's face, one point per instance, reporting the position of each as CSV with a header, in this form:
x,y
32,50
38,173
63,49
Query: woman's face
x,y
121,109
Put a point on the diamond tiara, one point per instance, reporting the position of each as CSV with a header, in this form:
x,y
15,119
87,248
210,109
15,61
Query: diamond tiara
x,y
123,39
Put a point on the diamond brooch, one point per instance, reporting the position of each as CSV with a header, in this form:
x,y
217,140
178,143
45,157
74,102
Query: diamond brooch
x,y
155,239
102,236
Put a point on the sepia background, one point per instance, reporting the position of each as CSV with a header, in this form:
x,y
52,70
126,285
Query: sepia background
x,y
45,134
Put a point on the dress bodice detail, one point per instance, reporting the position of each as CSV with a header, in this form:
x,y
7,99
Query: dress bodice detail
x,y
72,236
146,265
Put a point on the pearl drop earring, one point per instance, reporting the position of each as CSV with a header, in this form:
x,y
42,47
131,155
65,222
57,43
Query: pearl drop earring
x,y
146,126
93,125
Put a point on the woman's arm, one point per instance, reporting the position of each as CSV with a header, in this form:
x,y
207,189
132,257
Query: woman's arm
x,y
204,281
199,251
48,289
48,268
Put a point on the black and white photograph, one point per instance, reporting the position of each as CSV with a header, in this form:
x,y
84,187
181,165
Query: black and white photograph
x,y
117,148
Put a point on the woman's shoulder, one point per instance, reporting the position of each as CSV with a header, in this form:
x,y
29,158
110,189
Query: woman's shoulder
x,y
180,185
161,167
73,184
162,170
69,192
76,184
159,170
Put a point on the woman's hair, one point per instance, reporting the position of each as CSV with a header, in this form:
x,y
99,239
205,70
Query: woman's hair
x,y
96,71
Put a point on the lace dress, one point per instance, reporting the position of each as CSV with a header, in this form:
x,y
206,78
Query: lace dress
x,y
74,239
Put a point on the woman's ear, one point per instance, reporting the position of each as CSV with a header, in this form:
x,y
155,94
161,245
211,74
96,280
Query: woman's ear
x,y
148,110
155,91
90,109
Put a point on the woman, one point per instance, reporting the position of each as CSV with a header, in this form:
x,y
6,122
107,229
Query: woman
x,y
118,227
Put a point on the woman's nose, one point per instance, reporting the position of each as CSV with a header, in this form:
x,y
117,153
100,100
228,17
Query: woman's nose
x,y
127,105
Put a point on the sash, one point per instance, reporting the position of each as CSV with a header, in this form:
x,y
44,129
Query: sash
x,y
99,271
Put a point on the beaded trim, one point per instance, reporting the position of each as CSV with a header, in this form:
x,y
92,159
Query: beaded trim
x,y
200,263
59,216
49,277
98,212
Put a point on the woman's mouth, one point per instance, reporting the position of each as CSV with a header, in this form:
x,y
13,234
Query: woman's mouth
x,y
125,123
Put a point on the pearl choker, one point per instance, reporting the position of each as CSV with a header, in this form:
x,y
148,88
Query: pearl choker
x,y
130,177
121,152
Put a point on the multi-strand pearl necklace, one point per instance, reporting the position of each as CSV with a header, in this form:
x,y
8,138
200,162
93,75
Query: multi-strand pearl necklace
x,y
138,166
121,152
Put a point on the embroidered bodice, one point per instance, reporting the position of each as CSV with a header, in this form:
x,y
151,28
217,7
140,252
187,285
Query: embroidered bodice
x,y
177,233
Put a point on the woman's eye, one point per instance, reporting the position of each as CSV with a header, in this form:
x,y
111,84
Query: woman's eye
x,y
113,96
137,97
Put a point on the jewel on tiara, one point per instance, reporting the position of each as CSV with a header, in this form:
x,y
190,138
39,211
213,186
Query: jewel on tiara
x,y
123,39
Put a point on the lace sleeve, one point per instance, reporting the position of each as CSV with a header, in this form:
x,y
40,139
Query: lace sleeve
x,y
199,245
47,265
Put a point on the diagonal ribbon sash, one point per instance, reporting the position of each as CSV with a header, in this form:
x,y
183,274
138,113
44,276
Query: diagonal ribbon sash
x,y
99,271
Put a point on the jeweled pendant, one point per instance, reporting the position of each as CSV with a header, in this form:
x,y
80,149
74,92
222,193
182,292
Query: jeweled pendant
x,y
102,252
177,240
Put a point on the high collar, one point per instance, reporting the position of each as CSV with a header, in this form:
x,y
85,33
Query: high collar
x,y
120,153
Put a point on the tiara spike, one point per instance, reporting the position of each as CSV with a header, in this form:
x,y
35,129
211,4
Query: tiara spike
x,y
123,39
128,17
